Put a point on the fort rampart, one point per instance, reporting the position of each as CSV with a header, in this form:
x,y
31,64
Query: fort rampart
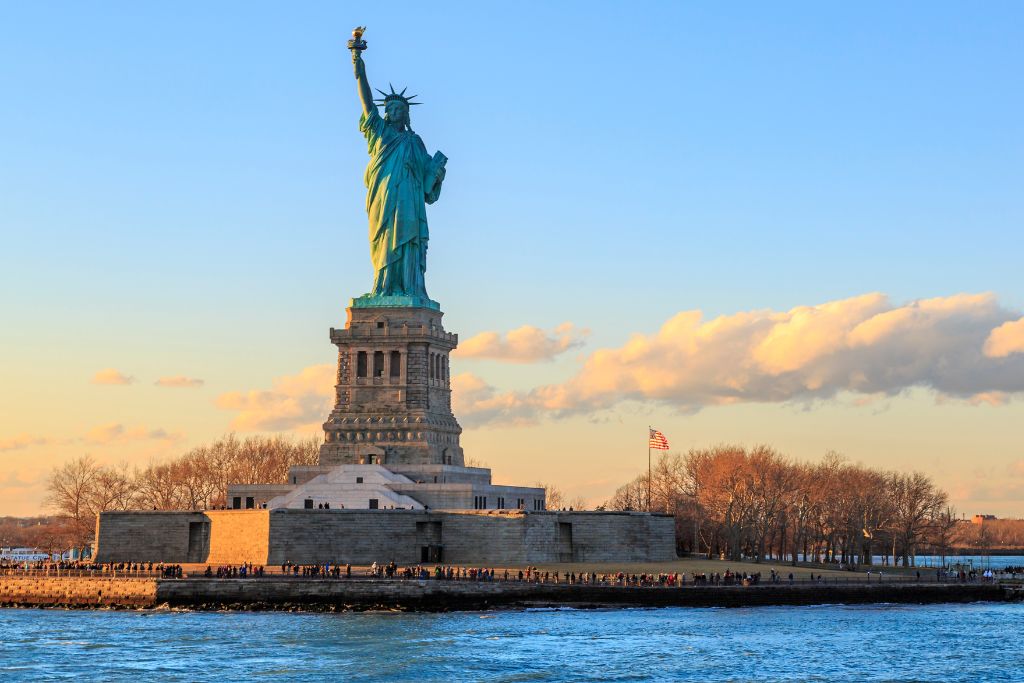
x,y
367,536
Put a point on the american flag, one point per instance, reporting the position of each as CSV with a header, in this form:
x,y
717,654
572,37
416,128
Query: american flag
x,y
657,441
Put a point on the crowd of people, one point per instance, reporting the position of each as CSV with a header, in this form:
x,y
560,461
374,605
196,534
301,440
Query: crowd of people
x,y
232,572
79,567
531,574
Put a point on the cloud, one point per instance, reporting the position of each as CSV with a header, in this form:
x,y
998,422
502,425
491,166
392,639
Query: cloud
x,y
299,401
115,431
863,345
98,435
110,376
989,398
992,487
1006,339
179,381
526,344
22,440
15,481
475,403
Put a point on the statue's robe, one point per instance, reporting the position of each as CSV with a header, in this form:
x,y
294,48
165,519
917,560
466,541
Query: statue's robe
x,y
401,179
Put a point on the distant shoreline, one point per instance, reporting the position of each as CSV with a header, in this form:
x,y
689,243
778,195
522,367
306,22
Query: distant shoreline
x,y
332,595
1001,552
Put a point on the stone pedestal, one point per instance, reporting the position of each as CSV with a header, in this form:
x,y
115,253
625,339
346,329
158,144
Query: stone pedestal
x,y
393,392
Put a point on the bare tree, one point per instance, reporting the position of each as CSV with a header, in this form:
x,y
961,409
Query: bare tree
x,y
114,489
757,503
554,498
916,503
70,489
631,496
160,488
943,529
199,479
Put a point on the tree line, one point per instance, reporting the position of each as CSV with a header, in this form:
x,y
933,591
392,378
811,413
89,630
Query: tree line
x,y
80,489
758,504
728,500
47,533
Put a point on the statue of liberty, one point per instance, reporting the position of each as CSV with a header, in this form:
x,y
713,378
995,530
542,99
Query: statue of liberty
x,y
401,179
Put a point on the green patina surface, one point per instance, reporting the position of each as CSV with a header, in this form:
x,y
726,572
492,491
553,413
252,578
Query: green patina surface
x,y
401,179
393,301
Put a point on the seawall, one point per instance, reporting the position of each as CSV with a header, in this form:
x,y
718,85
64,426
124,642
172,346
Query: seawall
x,y
362,594
78,591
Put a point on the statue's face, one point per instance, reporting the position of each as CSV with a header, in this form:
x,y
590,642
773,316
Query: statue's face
x,y
396,111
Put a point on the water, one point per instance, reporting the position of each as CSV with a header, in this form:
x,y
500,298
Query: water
x,y
976,561
975,642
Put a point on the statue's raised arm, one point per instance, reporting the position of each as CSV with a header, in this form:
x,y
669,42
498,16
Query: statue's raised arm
x,y
365,94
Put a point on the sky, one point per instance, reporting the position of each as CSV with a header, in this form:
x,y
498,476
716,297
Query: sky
x,y
797,224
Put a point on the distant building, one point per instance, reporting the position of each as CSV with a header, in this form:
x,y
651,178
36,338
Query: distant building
x,y
22,555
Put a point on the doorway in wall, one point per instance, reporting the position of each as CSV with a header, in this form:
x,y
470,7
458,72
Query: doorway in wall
x,y
198,541
431,553
565,542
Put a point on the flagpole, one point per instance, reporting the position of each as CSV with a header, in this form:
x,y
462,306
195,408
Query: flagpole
x,y
649,468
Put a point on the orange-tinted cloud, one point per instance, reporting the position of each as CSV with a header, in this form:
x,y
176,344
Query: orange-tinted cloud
x,y
299,401
113,377
1006,339
22,440
115,431
475,402
526,344
864,344
179,381
15,480
992,488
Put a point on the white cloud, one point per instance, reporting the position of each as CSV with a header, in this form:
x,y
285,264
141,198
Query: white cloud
x,y
110,376
1006,339
179,381
864,345
299,401
526,344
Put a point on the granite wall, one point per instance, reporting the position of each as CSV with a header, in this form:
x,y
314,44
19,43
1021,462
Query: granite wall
x,y
48,591
151,536
366,536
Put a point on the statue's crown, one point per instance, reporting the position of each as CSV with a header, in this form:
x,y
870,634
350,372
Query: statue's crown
x,y
390,97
